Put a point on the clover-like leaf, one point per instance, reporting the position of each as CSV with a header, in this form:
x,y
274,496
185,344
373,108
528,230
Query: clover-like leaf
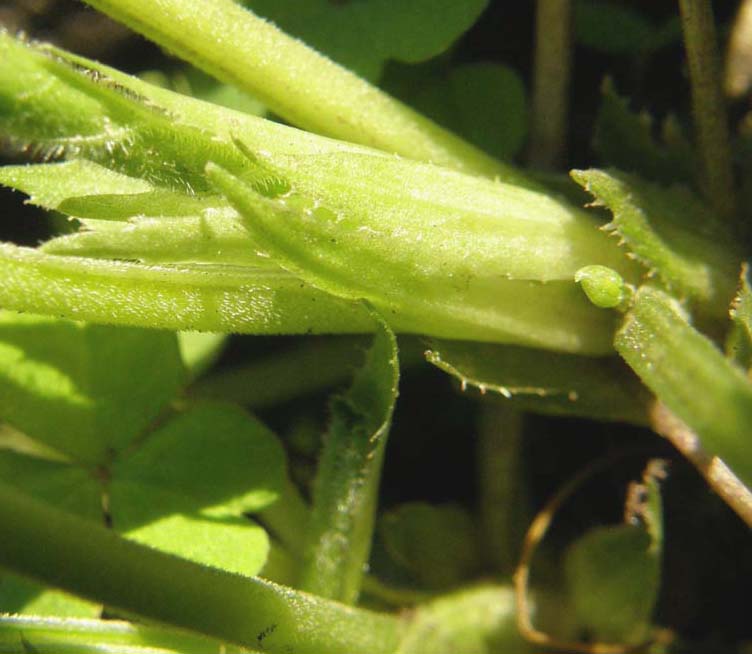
x,y
484,102
436,544
84,390
365,34
614,572
616,29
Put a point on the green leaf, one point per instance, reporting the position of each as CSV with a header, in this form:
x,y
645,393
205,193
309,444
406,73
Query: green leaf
x,y
739,340
18,595
671,233
483,102
364,35
64,383
674,360
544,382
435,251
212,458
200,350
182,490
613,577
616,29
235,545
49,185
624,139
437,544
346,488
614,572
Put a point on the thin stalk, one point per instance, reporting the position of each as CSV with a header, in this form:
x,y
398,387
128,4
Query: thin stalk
x,y
718,475
502,508
551,76
67,552
301,85
309,367
711,122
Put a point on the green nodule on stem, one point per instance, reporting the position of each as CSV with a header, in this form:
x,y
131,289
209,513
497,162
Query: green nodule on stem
x,y
435,251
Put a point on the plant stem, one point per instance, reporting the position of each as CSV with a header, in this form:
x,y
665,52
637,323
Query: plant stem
x,y
171,297
22,634
708,105
718,475
64,551
295,81
502,510
674,360
552,71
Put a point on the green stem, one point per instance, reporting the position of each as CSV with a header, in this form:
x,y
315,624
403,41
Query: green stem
x,y
552,71
295,81
309,367
708,104
674,360
21,634
216,299
61,550
502,508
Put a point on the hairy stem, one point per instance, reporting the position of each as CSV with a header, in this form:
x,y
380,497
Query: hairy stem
x,y
22,634
295,81
552,68
64,551
708,104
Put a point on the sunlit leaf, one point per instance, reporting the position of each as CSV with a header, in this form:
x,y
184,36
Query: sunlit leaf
x,y
64,383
